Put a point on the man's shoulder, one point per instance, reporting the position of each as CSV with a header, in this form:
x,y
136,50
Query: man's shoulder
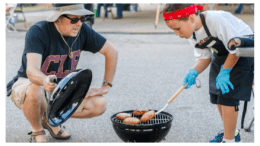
x,y
41,25
87,31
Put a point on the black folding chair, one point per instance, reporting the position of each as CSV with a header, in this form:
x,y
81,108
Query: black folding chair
x,y
19,9
246,49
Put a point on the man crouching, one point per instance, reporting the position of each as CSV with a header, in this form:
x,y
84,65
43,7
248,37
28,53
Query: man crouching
x,y
52,49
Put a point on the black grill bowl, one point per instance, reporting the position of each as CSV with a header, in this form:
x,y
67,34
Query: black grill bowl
x,y
144,132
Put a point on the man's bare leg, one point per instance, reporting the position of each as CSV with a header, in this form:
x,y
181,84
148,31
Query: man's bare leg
x,y
33,107
95,106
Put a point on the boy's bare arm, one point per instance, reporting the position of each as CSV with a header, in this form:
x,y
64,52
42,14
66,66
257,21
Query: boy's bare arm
x,y
201,65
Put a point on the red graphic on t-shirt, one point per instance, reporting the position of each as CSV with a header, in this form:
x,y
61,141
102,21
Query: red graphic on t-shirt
x,y
203,40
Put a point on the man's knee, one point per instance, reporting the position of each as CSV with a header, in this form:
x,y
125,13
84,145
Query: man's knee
x,y
34,93
100,105
94,106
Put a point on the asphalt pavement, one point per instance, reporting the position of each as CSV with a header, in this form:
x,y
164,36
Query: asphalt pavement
x,y
150,70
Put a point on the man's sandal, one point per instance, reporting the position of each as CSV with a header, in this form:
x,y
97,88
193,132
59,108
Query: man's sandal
x,y
34,134
59,134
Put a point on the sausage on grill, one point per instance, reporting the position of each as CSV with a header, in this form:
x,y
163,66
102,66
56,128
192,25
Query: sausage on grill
x,y
131,120
140,112
148,116
122,116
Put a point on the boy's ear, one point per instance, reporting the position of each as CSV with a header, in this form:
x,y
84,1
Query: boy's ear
x,y
192,18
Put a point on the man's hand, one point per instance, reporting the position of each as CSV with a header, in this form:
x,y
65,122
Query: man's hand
x,y
98,91
48,85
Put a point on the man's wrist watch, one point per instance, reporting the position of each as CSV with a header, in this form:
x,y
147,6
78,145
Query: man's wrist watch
x,y
107,83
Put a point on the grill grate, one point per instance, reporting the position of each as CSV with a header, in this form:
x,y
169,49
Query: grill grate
x,y
158,119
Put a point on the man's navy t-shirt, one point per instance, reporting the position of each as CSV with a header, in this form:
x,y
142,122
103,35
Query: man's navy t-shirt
x,y
43,38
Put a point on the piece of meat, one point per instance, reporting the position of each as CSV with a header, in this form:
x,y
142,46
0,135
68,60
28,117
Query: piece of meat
x,y
148,116
122,116
140,112
131,120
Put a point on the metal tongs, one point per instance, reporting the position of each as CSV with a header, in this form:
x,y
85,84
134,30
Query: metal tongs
x,y
172,98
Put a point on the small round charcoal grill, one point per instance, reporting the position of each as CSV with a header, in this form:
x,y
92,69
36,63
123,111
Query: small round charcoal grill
x,y
153,130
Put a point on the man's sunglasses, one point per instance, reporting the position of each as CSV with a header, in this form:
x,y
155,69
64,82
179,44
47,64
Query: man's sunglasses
x,y
76,20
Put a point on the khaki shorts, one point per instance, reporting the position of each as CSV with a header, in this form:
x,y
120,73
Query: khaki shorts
x,y
19,90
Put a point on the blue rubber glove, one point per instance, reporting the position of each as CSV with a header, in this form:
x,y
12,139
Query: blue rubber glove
x,y
190,78
223,81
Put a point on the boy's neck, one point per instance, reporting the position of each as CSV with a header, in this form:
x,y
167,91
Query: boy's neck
x,y
198,23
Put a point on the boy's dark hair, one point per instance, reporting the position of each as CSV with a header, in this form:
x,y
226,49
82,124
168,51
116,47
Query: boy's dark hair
x,y
174,7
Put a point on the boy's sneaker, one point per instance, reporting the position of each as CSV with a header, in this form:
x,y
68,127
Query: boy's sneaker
x,y
220,135
218,138
237,136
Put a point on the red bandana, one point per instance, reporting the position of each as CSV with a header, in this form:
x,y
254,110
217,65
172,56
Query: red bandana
x,y
182,13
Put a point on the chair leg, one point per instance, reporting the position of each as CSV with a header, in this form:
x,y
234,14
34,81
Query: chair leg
x,y
111,13
109,10
250,126
24,20
11,27
252,122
